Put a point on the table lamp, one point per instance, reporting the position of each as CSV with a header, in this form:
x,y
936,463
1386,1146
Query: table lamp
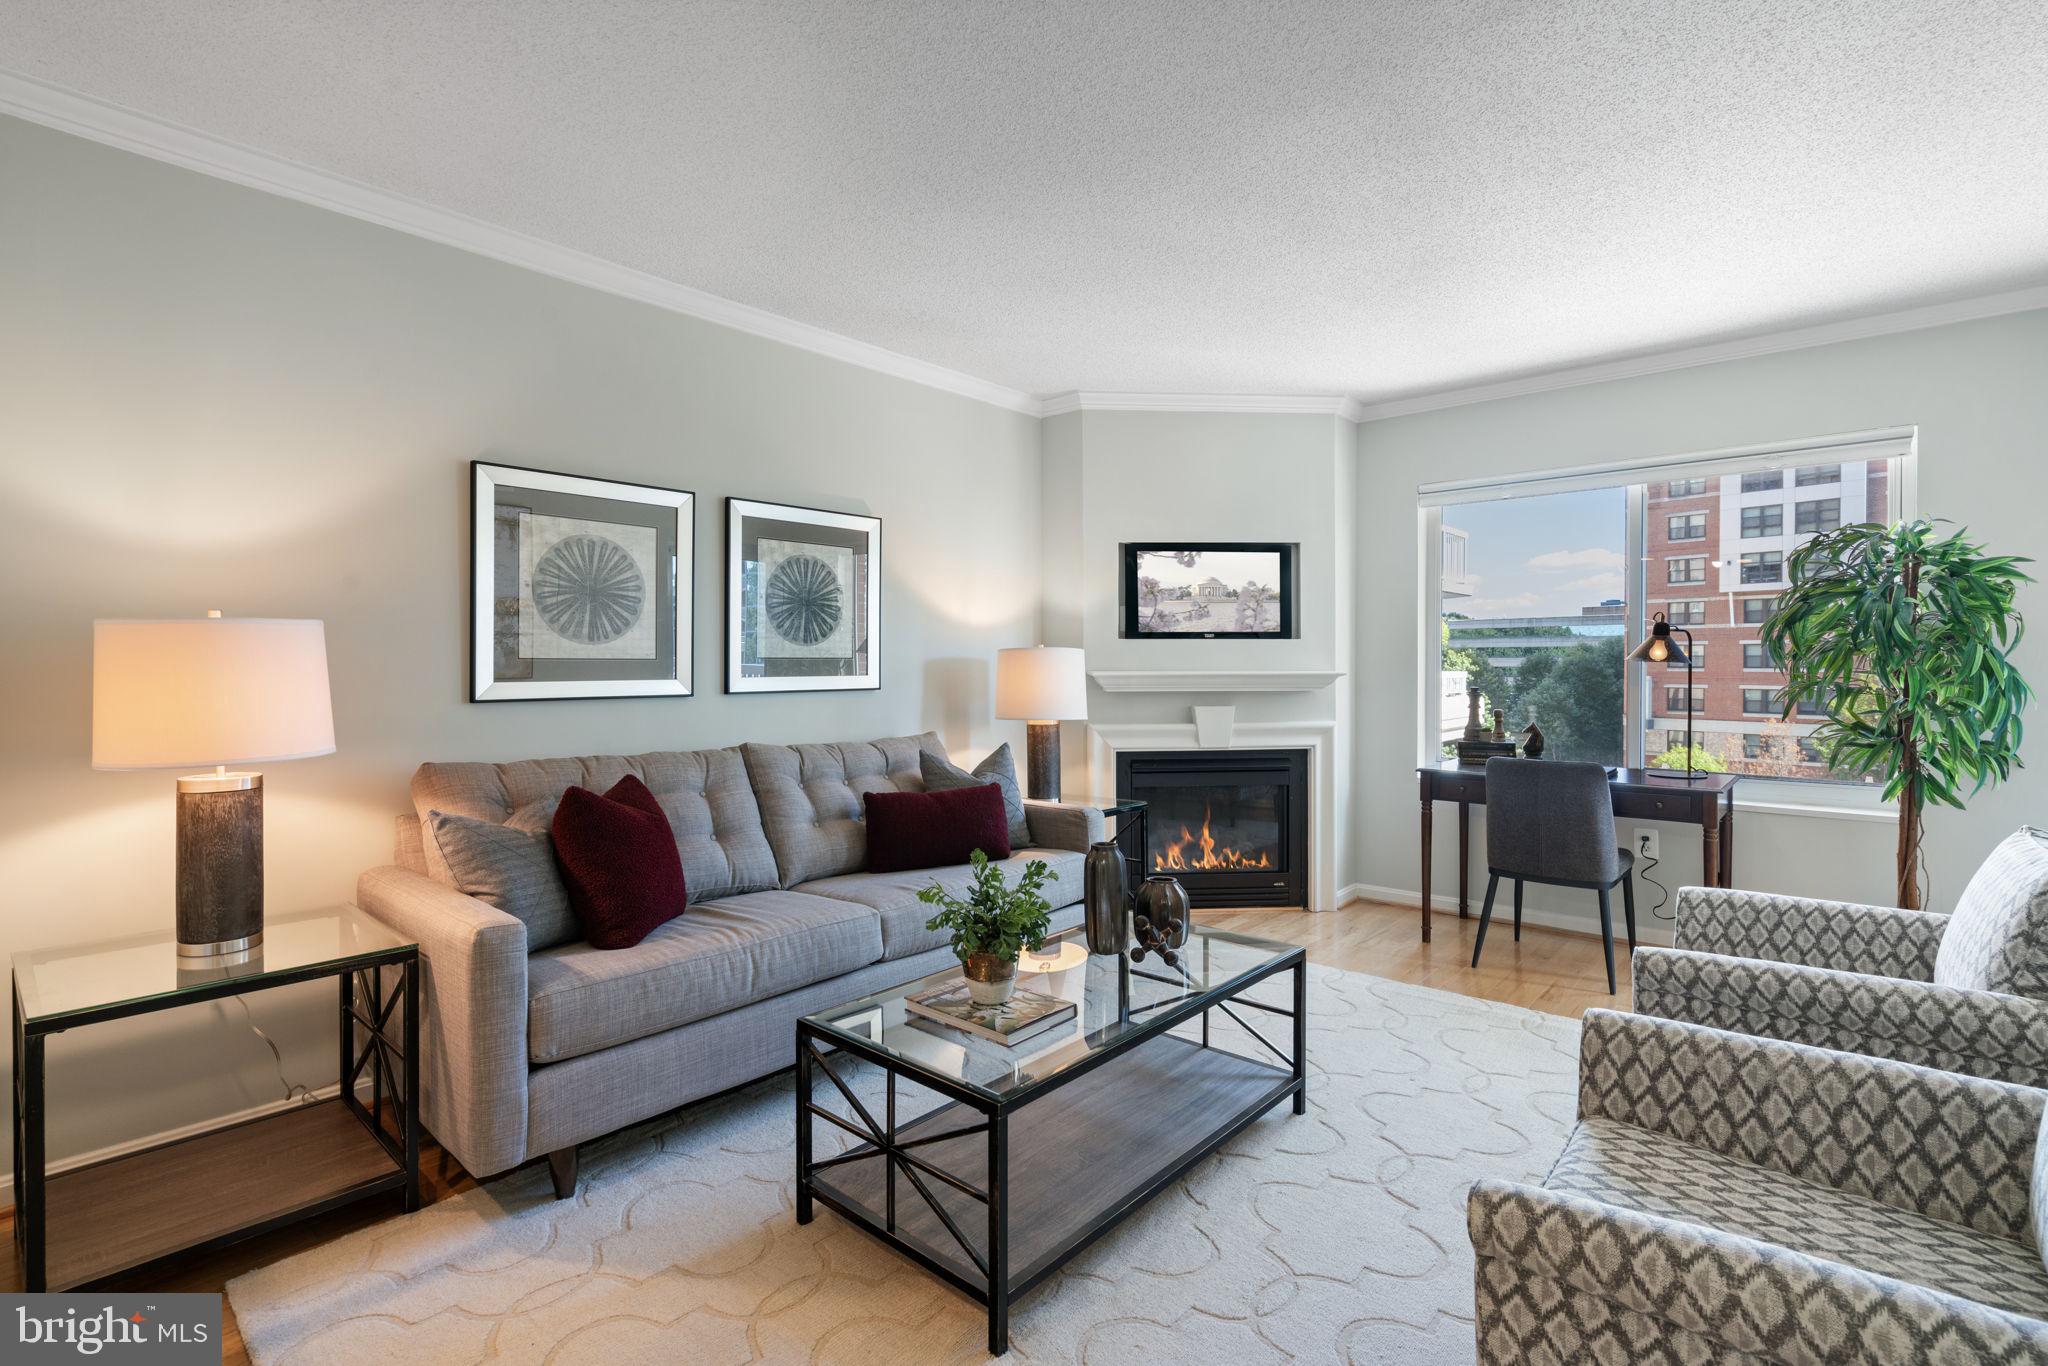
x,y
1042,685
183,694
1659,648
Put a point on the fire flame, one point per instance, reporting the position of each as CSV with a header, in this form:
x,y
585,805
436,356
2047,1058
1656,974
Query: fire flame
x,y
1180,858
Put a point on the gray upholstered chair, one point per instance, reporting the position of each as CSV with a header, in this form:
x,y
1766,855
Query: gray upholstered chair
x,y
1727,1198
1553,823
1966,992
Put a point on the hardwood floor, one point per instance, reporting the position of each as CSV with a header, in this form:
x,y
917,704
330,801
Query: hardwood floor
x,y
1549,970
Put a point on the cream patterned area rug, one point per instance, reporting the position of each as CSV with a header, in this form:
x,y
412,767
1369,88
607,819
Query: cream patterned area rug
x,y
1336,1236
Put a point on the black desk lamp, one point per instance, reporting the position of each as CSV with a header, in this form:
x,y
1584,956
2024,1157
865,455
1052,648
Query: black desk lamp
x,y
1659,648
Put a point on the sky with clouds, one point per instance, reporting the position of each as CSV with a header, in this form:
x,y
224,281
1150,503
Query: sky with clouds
x,y
1547,556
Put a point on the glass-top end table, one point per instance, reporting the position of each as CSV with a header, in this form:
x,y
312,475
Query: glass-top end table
x,y
225,1184
1040,1148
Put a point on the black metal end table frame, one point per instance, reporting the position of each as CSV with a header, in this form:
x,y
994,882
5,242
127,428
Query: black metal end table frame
x,y
996,1288
392,1064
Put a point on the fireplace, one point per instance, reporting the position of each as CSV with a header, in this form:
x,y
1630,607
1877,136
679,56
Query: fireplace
x,y
1231,825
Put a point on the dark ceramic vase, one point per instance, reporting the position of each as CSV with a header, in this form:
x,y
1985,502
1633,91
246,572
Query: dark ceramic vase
x,y
1105,903
1164,904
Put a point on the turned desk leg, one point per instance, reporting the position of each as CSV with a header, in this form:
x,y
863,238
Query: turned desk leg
x,y
1728,846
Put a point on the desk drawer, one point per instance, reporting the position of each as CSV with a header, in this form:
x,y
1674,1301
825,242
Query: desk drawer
x,y
1459,787
1657,806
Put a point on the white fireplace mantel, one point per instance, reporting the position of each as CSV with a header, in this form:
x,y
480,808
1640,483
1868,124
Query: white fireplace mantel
x,y
1317,737
1214,680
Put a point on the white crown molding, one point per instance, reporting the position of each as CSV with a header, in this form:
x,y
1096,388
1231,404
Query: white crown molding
x,y
1213,680
1317,405
1824,334
84,116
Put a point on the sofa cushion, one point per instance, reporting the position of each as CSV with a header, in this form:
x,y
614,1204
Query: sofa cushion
x,y
1619,1164
618,860
908,830
704,793
943,775
810,798
510,866
894,895
1997,938
723,954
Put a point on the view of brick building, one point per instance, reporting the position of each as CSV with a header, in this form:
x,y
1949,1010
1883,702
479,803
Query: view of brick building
x,y
1717,549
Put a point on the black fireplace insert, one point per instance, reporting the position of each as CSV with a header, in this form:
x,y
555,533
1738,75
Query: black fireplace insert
x,y
1231,825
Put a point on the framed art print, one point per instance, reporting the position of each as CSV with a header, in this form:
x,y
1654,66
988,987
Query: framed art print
x,y
1208,590
579,587
803,602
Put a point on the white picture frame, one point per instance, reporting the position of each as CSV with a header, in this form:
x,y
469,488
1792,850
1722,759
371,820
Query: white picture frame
x,y
558,609
825,632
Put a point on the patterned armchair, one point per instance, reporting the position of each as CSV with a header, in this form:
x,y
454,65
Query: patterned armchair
x,y
1966,992
1727,1198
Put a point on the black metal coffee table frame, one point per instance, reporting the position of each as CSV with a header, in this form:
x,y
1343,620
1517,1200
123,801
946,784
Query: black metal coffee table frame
x,y
996,1285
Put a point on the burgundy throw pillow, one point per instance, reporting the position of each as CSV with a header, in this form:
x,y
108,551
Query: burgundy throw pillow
x,y
619,862
935,829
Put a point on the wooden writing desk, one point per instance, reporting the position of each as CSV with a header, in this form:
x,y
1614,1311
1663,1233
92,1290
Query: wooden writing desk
x,y
1639,794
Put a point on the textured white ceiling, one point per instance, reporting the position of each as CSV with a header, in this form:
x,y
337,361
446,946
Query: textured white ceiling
x,y
1167,195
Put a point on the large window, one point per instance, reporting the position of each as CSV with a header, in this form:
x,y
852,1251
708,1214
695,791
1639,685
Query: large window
x,y
1560,573
1765,519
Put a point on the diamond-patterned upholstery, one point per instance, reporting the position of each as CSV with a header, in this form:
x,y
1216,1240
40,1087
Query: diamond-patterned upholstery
x,y
1728,1198
1906,985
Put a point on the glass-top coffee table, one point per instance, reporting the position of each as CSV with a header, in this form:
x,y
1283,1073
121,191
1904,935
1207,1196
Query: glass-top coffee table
x,y
1038,1149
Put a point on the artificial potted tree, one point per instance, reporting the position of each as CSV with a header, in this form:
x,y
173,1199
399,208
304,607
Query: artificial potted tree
x,y
993,924
1901,636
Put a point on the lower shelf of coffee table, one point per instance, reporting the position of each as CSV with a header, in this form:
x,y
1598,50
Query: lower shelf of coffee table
x,y
1080,1157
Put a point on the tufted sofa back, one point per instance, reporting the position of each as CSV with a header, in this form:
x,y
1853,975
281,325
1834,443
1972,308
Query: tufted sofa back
x,y
810,798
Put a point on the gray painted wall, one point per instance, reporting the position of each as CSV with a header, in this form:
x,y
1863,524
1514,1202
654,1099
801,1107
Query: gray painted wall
x,y
1978,392
211,397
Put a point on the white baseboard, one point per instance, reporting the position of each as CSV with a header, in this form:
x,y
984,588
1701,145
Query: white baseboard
x,y
147,1141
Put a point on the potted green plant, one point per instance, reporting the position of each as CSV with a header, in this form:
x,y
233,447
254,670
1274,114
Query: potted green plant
x,y
1901,637
993,924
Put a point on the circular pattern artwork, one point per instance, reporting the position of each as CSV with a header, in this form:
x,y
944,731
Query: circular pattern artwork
x,y
587,589
803,600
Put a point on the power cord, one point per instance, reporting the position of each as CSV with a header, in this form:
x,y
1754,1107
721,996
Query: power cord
x,y
1663,893
292,1091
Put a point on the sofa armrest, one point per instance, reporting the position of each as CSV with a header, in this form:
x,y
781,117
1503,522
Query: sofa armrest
x,y
1064,825
1935,1143
473,1021
1880,940
1739,1292
1978,1033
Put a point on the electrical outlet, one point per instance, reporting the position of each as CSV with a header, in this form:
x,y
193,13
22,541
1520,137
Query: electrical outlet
x,y
1646,845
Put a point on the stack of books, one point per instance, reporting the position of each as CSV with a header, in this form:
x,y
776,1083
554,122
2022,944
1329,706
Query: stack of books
x,y
1025,1015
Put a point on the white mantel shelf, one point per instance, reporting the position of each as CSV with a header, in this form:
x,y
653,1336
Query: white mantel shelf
x,y
1214,680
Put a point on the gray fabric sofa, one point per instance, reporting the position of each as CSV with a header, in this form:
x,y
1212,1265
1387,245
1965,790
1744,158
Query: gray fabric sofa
x,y
1966,992
529,1053
1734,1199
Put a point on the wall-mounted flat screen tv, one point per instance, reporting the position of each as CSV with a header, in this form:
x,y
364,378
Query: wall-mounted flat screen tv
x,y
1208,590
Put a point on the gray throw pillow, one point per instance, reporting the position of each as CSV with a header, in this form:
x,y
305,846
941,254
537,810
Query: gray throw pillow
x,y
999,768
512,867
1997,938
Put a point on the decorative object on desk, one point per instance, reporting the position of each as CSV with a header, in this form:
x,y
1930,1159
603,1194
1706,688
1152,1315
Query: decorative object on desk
x,y
1209,590
1475,729
178,694
578,587
1532,739
1022,1015
1105,899
1042,685
1900,637
1660,648
942,775
993,924
803,602
1160,920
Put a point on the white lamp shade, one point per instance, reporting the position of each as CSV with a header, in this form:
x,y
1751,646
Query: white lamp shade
x,y
1042,683
179,694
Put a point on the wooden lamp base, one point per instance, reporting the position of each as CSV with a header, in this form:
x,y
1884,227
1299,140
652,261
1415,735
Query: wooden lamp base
x,y
220,864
